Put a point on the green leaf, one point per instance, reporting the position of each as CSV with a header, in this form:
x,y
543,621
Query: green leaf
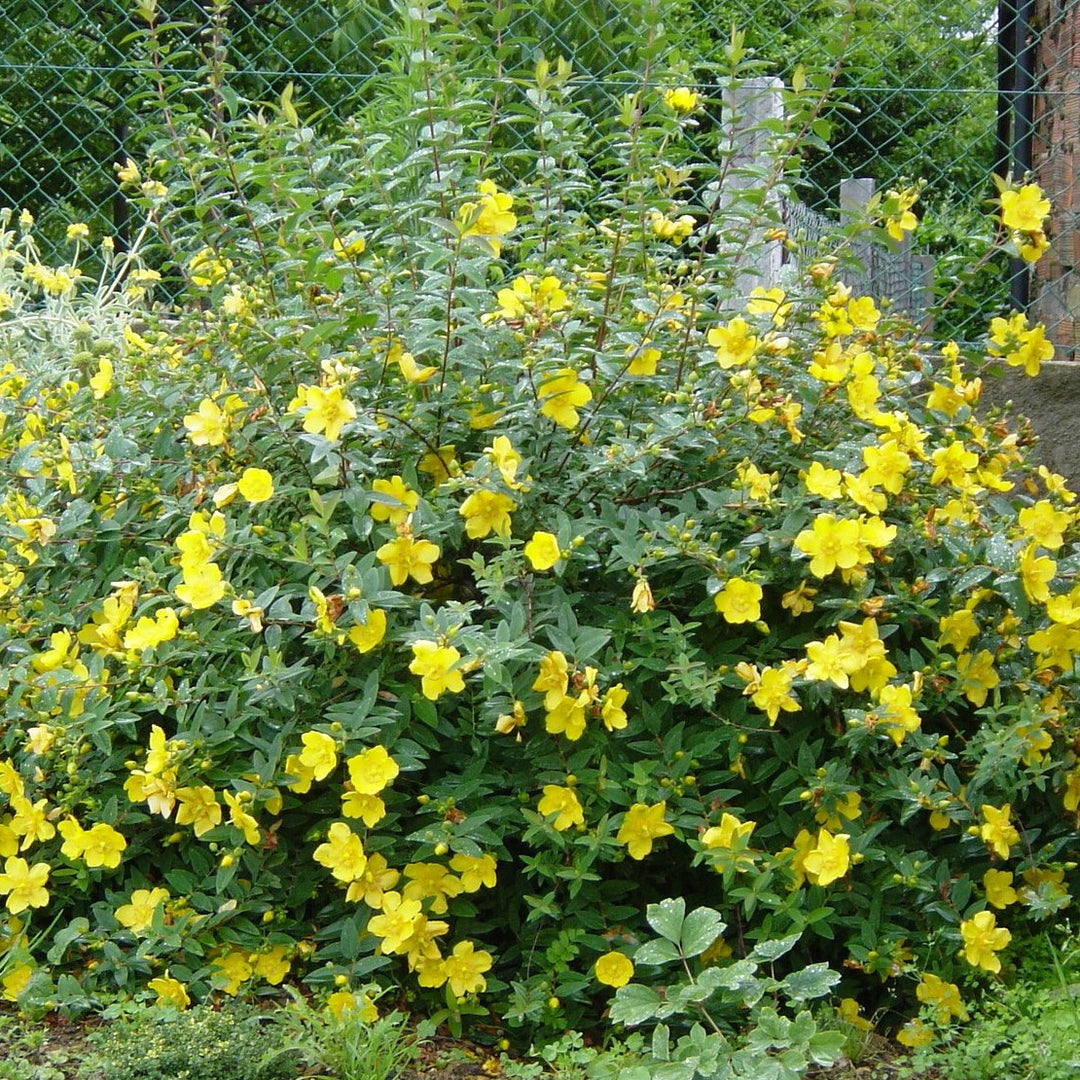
x,y
659,951
700,929
812,982
768,951
634,1004
666,918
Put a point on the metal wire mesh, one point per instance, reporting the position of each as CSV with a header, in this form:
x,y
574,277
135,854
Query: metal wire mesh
x,y
918,92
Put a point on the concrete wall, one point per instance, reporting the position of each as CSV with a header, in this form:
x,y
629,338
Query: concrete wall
x,y
1052,402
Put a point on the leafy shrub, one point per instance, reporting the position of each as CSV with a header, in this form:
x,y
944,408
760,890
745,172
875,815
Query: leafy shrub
x,y
1027,1027
201,1044
469,563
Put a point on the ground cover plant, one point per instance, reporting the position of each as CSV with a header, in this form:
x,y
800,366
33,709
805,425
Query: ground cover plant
x,y
466,580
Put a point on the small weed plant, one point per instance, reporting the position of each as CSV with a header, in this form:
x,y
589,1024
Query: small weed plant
x,y
202,1043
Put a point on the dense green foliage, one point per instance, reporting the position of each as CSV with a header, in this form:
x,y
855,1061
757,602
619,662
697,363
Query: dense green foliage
x,y
472,558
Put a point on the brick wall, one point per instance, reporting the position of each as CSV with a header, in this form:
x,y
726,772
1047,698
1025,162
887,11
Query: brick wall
x,y
1056,161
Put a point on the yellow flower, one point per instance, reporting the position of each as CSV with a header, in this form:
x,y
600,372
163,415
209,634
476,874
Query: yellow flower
x,y
915,1033
1024,208
366,636
848,1010
977,676
734,342
1036,572
207,426
506,459
350,247
896,714
945,996
643,359
399,920
273,964
542,550
464,969
343,853
430,881
23,885
897,212
474,871
102,846
997,884
681,99
641,599
370,809
303,774
829,860
1020,345
614,969
31,821
612,712
398,502
138,913
885,467
412,371
199,808
562,801
508,723
958,629
1045,525
996,829
526,297
553,679
487,512
376,879
405,557
769,302
169,991
328,411
489,218
561,395
831,544
675,230
435,664
800,600
235,968
983,939
642,825
16,980
953,465
206,269
730,838
771,691
739,601
148,632
202,587
128,173
343,1002
371,770
758,485
101,382
240,818
829,661
255,485
319,754
825,483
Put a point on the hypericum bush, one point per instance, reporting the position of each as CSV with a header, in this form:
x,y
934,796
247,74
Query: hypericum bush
x,y
468,564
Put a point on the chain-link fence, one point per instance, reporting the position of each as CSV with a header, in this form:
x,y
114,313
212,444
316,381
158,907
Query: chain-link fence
x,y
948,91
